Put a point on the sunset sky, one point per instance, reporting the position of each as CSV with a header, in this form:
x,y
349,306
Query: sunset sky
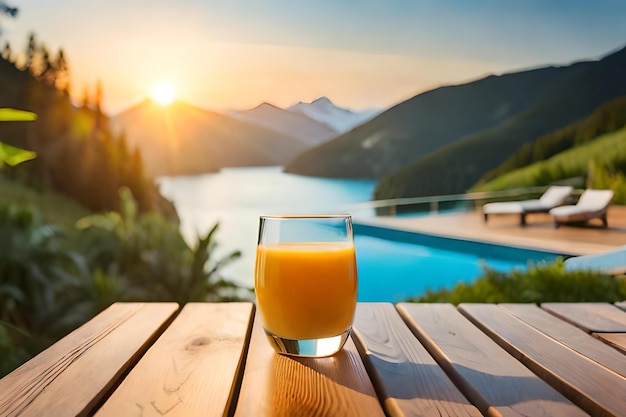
x,y
235,54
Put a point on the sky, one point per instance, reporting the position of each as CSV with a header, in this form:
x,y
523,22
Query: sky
x,y
235,54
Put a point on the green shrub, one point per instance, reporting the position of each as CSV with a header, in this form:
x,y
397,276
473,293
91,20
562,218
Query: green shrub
x,y
539,283
53,279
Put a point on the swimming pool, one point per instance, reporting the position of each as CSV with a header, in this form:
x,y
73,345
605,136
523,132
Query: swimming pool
x,y
394,264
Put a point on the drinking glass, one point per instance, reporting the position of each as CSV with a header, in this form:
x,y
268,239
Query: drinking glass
x,y
306,282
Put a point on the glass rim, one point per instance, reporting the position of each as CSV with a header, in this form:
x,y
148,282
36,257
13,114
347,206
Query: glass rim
x,y
305,216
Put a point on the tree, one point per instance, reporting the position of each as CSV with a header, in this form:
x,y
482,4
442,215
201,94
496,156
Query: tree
x,y
6,52
62,81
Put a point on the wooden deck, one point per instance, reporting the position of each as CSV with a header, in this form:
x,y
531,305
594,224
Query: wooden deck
x,y
213,359
539,233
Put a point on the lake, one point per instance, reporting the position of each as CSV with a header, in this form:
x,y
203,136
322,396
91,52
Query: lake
x,y
236,197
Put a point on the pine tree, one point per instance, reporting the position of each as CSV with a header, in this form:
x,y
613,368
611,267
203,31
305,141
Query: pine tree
x,y
6,52
61,65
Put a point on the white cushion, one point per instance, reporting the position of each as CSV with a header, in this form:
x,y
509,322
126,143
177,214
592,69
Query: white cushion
x,y
555,195
503,207
590,201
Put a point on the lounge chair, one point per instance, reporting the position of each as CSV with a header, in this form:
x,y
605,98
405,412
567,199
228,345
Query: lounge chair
x,y
612,262
592,204
554,196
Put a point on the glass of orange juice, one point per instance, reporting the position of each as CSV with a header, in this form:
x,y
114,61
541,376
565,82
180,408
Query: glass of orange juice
x,y
306,282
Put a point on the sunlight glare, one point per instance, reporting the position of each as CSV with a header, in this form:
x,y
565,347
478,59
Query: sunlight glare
x,y
163,94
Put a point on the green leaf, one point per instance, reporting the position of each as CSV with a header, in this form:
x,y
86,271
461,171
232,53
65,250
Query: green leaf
x,y
12,156
12,115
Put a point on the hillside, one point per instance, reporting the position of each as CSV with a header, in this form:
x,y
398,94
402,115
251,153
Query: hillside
x,y
295,125
607,118
571,96
181,139
607,151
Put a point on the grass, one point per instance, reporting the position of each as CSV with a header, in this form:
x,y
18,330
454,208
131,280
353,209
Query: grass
x,y
54,207
609,150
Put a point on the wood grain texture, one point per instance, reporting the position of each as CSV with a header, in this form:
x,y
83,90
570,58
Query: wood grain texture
x,y
192,369
488,376
593,387
617,340
591,317
406,377
569,335
73,375
275,385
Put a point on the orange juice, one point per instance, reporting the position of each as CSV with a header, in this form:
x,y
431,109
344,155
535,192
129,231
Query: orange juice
x,y
306,290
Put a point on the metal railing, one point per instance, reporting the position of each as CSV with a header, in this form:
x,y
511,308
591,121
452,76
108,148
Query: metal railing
x,y
434,202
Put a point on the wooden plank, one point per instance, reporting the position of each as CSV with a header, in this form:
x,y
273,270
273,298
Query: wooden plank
x,y
489,377
72,376
275,385
593,387
591,317
621,305
617,340
406,377
569,335
192,369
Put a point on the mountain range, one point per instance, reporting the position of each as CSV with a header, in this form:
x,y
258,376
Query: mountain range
x,y
296,125
181,139
443,140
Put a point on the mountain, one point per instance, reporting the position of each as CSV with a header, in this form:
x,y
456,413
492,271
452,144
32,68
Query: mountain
x,y
571,96
444,140
323,110
181,139
293,124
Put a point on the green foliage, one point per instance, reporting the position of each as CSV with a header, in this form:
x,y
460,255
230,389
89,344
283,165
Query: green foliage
x,y
540,283
602,162
53,206
56,278
13,115
11,155
604,176
36,267
151,258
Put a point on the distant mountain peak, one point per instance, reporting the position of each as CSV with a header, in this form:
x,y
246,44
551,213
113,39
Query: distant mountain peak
x,y
265,104
325,111
293,124
322,100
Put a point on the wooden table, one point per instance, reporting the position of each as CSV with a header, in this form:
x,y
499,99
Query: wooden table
x,y
212,359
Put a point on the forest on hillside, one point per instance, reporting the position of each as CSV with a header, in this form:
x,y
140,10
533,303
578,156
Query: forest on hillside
x,y
77,153
591,152
606,119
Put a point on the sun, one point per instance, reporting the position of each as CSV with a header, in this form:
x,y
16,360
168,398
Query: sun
x,y
163,93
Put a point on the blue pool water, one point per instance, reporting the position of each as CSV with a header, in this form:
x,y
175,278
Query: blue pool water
x,y
394,265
